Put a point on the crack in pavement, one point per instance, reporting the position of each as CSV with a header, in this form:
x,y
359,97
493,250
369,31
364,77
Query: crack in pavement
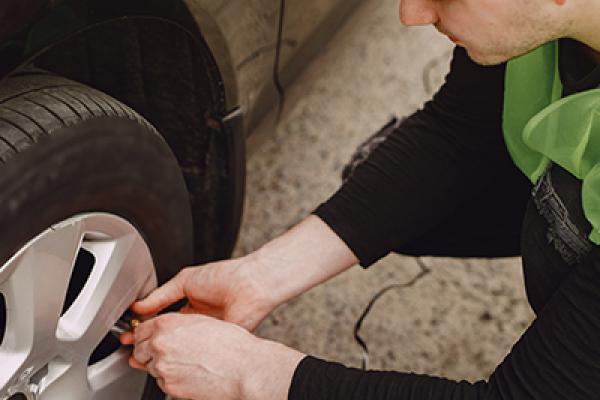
x,y
425,270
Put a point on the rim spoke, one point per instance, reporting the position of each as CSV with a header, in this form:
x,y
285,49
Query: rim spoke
x,y
65,379
122,269
34,284
113,376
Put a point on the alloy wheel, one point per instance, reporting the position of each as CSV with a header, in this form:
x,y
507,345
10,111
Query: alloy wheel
x,y
49,340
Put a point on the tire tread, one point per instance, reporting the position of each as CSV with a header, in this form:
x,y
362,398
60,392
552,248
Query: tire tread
x,y
34,105
21,122
45,107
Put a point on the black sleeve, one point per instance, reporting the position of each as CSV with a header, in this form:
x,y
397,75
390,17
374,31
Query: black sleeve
x,y
437,159
558,357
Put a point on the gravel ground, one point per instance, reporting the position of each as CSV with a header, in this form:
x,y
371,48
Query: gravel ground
x,y
457,321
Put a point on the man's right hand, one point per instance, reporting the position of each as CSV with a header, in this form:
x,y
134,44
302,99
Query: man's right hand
x,y
245,290
227,290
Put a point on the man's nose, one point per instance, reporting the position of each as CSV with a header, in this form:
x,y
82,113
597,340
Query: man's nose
x,y
418,12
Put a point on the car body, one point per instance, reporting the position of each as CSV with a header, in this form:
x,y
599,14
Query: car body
x,y
241,36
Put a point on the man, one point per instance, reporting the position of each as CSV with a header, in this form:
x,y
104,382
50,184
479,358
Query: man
x,y
441,183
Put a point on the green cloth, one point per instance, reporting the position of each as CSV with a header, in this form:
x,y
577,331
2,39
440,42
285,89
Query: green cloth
x,y
540,126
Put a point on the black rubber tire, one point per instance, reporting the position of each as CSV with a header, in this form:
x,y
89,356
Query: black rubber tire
x,y
67,149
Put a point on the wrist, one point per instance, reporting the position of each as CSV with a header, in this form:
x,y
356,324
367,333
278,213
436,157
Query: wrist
x,y
303,257
254,268
271,267
306,255
271,370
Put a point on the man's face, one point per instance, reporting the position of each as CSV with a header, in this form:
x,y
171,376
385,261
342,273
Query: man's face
x,y
492,31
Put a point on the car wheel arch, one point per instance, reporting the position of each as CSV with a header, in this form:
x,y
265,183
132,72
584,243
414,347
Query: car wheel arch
x,y
185,113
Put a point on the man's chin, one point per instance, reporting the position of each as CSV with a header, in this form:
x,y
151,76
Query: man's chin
x,y
487,59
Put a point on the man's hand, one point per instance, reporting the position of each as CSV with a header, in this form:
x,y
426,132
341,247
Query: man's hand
x,y
227,290
245,290
199,357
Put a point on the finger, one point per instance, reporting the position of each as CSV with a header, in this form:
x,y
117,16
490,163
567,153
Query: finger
x,y
127,338
133,363
150,367
142,353
161,385
211,311
187,309
200,309
164,296
144,331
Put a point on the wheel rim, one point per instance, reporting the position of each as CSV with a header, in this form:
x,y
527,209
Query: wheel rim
x,y
45,350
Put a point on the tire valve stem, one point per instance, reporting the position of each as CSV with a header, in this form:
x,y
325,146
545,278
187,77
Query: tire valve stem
x,y
134,324
127,323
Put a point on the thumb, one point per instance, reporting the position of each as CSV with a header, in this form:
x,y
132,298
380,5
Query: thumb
x,y
163,296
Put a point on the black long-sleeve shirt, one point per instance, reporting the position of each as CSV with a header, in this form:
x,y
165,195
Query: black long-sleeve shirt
x,y
441,160
443,184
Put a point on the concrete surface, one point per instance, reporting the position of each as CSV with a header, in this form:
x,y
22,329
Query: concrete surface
x,y
459,320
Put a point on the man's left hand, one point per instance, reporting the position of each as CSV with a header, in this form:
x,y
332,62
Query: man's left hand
x,y
199,357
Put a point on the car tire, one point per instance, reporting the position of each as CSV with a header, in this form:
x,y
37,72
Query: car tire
x,y
66,150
